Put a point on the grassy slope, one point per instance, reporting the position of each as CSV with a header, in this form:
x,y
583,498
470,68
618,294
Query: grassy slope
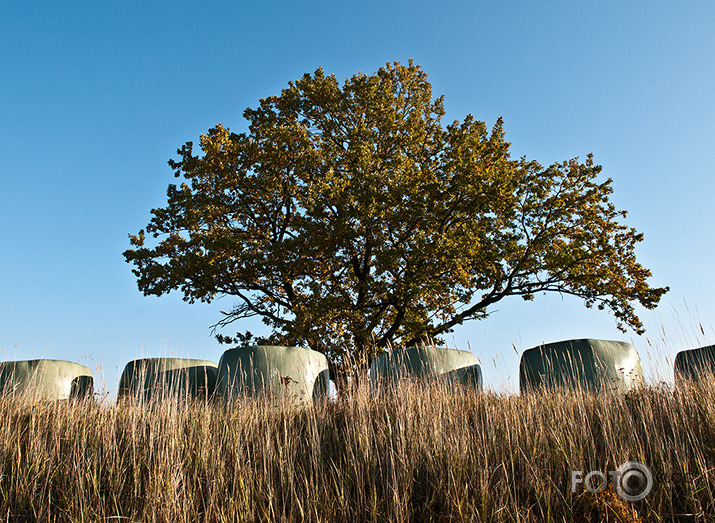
x,y
419,454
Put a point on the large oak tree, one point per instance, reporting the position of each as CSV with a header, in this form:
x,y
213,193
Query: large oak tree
x,y
350,219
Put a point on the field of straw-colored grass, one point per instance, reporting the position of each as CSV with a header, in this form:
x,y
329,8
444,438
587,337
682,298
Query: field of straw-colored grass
x,y
418,454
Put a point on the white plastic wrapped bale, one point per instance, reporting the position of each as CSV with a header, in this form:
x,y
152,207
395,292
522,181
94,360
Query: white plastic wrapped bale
x,y
166,378
451,366
694,365
282,374
46,379
585,364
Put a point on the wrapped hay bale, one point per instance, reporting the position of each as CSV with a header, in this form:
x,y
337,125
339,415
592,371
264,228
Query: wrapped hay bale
x,y
469,377
152,379
694,365
426,363
46,379
583,364
283,374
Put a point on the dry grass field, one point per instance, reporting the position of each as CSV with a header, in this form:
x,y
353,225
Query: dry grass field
x,y
421,453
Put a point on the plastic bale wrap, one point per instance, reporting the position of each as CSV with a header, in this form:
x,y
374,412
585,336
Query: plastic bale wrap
x,y
469,377
694,365
450,366
153,379
46,379
588,364
282,374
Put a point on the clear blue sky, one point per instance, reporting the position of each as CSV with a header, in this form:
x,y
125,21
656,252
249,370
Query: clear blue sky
x,y
95,97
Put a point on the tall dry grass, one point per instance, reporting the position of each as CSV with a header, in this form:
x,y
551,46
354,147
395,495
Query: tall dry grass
x,y
418,454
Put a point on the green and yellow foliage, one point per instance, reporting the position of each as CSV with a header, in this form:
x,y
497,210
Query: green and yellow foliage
x,y
350,219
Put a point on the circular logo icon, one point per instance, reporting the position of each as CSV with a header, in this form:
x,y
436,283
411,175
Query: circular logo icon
x,y
635,481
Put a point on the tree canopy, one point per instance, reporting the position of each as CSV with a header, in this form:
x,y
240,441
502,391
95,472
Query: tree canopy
x,y
350,219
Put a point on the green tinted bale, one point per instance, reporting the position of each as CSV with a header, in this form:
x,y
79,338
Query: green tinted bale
x,y
584,364
694,364
290,374
46,379
164,378
425,363
469,377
